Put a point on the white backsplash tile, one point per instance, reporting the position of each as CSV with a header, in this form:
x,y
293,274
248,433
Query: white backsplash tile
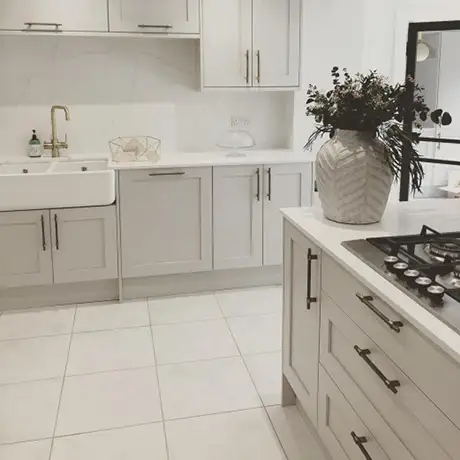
x,y
122,87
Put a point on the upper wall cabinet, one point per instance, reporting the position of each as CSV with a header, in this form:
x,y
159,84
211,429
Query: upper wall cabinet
x,y
226,43
251,43
276,39
54,15
155,16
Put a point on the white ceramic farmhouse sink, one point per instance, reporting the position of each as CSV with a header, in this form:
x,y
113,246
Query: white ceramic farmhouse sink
x,y
56,184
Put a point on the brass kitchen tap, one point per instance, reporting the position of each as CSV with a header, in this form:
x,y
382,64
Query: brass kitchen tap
x,y
55,144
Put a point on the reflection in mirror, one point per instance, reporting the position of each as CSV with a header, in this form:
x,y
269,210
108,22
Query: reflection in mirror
x,y
438,72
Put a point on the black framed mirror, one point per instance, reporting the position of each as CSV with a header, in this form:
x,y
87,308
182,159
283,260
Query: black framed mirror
x,y
433,62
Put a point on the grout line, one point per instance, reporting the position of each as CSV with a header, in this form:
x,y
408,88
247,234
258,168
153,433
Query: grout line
x,y
45,336
192,321
158,384
63,383
127,369
110,329
25,382
110,371
257,390
102,430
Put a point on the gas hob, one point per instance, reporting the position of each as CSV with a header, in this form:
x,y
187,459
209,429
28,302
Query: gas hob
x,y
425,266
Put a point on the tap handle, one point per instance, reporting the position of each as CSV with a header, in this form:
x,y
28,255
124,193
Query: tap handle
x,y
65,138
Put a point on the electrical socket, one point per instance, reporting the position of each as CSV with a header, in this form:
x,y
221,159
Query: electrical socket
x,y
239,121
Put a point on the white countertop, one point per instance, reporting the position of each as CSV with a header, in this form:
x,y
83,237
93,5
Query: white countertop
x,y
183,160
399,219
220,158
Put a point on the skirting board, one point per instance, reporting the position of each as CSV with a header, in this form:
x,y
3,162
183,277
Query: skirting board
x,y
136,288
190,283
58,294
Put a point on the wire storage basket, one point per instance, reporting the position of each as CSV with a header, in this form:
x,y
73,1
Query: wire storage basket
x,y
135,149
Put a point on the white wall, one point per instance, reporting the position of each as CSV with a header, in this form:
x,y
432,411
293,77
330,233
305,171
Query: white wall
x,y
121,87
333,34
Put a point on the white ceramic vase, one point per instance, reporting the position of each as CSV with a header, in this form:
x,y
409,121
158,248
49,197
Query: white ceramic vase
x,y
353,178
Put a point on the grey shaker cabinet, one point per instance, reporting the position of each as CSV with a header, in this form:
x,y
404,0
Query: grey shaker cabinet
x,y
62,246
25,255
84,244
166,221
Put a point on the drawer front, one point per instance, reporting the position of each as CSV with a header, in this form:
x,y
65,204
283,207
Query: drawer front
x,y
424,430
432,370
338,423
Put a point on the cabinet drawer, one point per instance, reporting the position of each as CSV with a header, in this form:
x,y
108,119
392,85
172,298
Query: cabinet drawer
x,y
432,370
425,431
339,423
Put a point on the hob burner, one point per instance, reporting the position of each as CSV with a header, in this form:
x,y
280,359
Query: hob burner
x,y
443,251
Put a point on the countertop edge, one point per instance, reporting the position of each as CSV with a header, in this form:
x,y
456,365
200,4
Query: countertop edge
x,y
426,323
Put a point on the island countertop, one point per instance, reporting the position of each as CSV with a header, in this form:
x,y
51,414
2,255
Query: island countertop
x,y
399,219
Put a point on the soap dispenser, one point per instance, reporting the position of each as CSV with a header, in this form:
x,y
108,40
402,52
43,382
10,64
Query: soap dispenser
x,y
35,148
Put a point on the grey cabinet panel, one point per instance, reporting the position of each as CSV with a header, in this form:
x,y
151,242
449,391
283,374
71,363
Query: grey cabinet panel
x,y
25,254
285,186
238,202
84,244
166,221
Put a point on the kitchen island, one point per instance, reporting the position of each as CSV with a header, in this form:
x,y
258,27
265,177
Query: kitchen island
x,y
371,389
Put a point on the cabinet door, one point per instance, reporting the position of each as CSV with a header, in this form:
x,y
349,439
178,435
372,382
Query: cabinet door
x,y
84,244
237,216
81,15
285,186
226,43
155,16
25,255
166,221
277,42
301,318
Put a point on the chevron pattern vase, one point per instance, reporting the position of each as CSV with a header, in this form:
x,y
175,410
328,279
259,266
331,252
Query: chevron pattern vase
x,y
353,178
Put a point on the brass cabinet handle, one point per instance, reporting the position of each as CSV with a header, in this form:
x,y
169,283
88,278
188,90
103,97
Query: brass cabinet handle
x,y
155,26
392,385
393,325
56,231
360,441
247,66
258,78
167,174
310,258
258,184
43,233
269,194
29,26
44,24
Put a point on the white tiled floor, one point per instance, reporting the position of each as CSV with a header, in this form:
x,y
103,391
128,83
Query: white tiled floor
x,y
185,378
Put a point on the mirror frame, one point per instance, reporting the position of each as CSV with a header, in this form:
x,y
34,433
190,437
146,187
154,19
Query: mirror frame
x,y
411,64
